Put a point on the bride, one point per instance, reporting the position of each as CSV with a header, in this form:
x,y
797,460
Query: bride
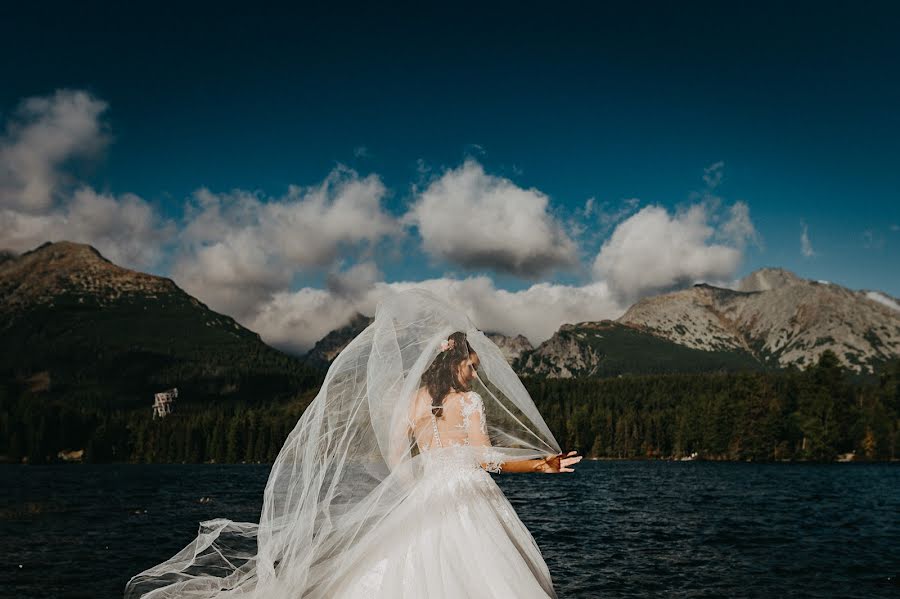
x,y
382,488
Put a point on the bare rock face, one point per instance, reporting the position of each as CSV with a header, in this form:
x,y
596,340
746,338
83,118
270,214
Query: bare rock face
x,y
565,355
42,275
689,317
778,317
765,279
512,347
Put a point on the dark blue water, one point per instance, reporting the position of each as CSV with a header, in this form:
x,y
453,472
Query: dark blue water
x,y
613,529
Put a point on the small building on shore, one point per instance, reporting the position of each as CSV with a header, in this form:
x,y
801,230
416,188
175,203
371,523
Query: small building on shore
x,y
75,455
164,402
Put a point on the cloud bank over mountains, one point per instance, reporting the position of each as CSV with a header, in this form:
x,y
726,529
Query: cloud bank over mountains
x,y
654,251
239,250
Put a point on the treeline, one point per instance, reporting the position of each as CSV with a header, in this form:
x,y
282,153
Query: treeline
x,y
228,431
816,414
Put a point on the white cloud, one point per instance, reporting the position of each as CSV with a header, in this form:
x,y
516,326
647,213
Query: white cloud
x,y
234,275
40,202
712,174
883,299
355,281
653,251
588,209
43,134
475,220
739,228
239,248
805,245
294,321
125,229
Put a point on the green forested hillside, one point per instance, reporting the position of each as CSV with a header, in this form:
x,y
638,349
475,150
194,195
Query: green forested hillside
x,y
816,414
79,377
123,352
85,344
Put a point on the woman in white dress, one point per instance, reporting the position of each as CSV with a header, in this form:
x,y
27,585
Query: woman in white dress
x,y
382,489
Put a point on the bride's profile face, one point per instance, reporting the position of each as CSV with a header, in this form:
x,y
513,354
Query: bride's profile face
x,y
467,369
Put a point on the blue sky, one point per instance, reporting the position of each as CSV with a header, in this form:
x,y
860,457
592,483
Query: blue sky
x,y
791,111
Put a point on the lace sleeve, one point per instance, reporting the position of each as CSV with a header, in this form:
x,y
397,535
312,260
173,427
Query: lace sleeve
x,y
475,424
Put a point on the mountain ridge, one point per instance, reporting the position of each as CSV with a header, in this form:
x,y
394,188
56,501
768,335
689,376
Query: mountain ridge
x,y
74,320
779,318
772,319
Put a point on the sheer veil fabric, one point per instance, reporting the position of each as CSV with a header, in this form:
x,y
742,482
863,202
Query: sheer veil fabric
x,y
371,496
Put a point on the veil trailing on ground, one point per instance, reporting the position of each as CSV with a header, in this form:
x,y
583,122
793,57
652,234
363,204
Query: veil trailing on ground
x,y
351,459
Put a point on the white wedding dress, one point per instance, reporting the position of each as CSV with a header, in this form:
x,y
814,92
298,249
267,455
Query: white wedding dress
x,y
456,535
373,496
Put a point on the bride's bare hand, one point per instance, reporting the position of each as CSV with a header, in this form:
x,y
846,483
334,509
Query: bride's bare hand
x,y
560,462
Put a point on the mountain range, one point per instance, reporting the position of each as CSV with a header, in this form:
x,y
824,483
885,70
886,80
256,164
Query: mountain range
x,y
774,319
67,314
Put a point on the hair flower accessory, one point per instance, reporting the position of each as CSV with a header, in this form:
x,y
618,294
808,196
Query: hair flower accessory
x,y
447,344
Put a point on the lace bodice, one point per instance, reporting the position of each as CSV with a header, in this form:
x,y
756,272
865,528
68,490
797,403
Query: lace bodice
x,y
461,424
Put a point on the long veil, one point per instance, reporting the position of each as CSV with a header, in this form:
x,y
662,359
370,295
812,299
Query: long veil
x,y
348,463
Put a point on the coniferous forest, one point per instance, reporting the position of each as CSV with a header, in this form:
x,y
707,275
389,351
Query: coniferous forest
x,y
821,413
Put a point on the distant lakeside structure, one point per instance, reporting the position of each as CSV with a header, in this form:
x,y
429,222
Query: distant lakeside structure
x,y
164,402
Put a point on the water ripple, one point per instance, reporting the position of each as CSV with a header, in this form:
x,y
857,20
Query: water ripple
x,y
614,529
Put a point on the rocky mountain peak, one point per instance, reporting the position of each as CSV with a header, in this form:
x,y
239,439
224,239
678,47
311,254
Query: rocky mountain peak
x,y
512,347
777,317
765,279
66,268
67,251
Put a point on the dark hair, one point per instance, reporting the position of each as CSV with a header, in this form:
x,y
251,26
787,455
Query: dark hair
x,y
441,375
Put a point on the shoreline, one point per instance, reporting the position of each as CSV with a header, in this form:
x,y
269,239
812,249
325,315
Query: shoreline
x,y
590,459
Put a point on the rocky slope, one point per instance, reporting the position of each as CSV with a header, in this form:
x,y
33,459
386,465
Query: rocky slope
x,y
609,348
779,318
513,348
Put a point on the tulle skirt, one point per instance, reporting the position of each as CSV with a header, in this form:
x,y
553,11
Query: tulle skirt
x,y
452,535
455,536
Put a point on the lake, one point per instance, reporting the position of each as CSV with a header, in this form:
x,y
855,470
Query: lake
x,y
613,529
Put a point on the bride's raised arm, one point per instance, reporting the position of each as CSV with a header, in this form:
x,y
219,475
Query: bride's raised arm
x,y
551,464
492,460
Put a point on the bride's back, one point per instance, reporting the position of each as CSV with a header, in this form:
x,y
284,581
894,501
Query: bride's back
x,y
460,423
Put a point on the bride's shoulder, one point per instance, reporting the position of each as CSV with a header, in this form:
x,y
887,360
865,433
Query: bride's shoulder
x,y
473,401
468,400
